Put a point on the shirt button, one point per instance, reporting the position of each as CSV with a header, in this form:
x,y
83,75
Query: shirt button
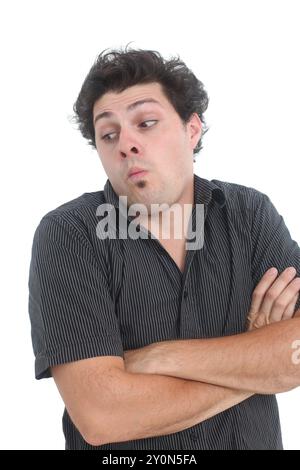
x,y
194,436
185,294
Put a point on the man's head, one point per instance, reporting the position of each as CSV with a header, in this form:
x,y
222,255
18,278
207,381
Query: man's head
x,y
160,135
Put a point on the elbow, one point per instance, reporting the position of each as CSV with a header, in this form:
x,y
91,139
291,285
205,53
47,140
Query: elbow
x,y
289,384
283,384
93,427
273,385
112,430
95,439
99,437
271,390
282,389
104,421
103,428
95,436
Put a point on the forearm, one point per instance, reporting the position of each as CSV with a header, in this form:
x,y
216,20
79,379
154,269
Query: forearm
x,y
259,361
153,405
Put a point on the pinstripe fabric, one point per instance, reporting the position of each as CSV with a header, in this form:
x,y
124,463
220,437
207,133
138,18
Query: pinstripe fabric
x,y
90,297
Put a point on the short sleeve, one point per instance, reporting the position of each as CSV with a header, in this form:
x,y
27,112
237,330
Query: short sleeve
x,y
272,244
71,310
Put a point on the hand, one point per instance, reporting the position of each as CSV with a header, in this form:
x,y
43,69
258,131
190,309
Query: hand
x,y
274,300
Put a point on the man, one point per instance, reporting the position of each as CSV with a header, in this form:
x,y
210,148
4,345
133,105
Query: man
x,y
153,342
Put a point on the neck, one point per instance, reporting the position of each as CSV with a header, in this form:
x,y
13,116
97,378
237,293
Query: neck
x,y
172,223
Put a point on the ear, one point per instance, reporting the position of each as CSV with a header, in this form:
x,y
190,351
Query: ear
x,y
194,126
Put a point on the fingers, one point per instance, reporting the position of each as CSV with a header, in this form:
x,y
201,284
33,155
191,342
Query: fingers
x,y
261,289
284,300
289,311
275,291
258,321
253,319
274,299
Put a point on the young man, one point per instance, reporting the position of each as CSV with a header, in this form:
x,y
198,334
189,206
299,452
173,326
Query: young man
x,y
154,342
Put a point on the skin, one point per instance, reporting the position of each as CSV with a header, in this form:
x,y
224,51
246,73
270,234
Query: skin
x,y
164,148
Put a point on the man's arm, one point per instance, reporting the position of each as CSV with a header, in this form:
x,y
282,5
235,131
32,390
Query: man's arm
x,y
108,404
74,325
259,361
271,241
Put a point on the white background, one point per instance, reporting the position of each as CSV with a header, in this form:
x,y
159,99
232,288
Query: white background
x,y
247,55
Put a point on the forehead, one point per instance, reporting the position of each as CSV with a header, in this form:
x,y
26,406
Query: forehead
x,y
112,101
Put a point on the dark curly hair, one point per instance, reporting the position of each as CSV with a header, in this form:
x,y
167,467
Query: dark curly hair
x,y
119,69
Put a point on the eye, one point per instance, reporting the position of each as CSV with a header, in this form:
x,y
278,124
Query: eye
x,y
150,120
107,136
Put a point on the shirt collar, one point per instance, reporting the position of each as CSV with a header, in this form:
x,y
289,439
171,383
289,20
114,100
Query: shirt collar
x,y
205,191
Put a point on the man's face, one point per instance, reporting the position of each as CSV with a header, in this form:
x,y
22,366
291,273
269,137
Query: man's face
x,y
150,136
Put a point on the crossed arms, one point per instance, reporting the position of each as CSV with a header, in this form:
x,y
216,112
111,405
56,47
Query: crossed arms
x,y
260,361
170,386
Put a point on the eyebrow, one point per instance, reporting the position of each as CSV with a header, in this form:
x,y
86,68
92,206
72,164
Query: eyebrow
x,y
107,114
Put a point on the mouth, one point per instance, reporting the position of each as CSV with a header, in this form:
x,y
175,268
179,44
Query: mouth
x,y
136,174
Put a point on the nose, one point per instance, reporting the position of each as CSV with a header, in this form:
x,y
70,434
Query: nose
x,y
128,144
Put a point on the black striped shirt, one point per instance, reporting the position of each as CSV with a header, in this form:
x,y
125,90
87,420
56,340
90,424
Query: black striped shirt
x,y
90,297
